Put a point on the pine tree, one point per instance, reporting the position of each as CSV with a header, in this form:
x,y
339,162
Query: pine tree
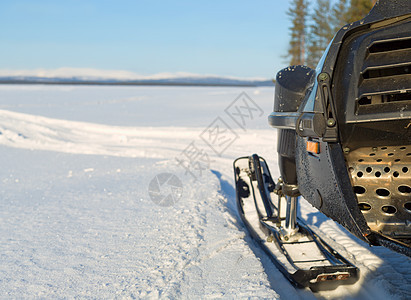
x,y
309,42
320,31
359,9
298,14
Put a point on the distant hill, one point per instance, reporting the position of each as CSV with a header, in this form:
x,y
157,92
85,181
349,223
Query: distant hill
x,y
97,77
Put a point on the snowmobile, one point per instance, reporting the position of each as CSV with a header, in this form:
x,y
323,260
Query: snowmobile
x,y
344,144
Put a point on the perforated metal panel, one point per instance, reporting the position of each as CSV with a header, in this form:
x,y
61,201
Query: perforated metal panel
x,y
381,178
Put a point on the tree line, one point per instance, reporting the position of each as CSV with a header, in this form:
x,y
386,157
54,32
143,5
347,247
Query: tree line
x,y
314,24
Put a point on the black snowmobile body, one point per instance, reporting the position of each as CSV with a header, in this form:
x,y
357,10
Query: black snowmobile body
x,y
345,128
344,144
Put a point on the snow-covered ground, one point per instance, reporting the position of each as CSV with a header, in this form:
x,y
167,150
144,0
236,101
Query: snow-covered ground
x,y
76,214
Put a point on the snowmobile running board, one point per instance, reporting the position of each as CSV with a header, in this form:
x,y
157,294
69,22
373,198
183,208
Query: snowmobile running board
x,y
299,253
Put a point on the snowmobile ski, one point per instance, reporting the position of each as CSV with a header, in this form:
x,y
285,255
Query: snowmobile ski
x,y
297,251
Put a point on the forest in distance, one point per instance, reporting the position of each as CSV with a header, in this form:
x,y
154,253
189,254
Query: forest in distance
x,y
314,24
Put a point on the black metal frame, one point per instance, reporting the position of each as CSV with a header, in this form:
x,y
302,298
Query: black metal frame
x,y
301,277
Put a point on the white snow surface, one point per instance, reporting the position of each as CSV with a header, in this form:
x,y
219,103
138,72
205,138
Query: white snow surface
x,y
76,218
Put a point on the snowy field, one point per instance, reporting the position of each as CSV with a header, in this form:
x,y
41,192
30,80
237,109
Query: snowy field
x,y
78,216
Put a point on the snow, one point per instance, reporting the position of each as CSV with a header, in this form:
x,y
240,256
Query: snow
x,y
77,219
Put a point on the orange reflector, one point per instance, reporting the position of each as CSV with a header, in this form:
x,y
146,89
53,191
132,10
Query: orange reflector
x,y
331,277
313,147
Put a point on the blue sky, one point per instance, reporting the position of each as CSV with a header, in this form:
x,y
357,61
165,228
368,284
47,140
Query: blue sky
x,y
236,38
